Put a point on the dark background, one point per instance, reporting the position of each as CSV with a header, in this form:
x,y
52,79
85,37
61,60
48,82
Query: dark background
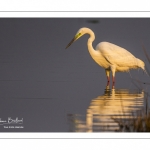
x,y
41,81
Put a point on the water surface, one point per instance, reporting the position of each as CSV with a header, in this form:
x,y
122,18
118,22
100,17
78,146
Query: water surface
x,y
41,82
106,111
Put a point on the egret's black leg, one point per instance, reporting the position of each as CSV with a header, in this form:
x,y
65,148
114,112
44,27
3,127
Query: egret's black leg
x,y
113,82
107,74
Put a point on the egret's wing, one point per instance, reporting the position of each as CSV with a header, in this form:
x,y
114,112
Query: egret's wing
x,y
121,60
116,55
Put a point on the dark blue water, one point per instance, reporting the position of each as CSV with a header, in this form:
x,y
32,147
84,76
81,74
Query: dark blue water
x,y
41,82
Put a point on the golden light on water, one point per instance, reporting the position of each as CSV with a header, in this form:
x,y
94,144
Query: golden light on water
x,y
105,111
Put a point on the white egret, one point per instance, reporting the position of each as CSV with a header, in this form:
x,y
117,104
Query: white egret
x,y
109,56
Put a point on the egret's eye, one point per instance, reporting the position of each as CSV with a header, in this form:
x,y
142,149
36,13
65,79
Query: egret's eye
x,y
79,33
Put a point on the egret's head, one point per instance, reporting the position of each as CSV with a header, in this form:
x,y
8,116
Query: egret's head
x,y
81,32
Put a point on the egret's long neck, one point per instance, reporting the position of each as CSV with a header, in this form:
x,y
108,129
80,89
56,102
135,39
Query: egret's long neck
x,y
89,44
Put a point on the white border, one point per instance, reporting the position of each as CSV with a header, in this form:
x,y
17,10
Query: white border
x,y
97,135
74,14
75,5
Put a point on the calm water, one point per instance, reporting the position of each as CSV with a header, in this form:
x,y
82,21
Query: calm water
x,y
45,88
105,111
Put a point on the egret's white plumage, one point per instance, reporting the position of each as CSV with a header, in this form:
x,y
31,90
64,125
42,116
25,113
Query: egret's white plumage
x,y
109,56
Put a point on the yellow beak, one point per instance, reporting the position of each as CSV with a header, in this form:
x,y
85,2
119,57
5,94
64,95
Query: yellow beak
x,y
78,35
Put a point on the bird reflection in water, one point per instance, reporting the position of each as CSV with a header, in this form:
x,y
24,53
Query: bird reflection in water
x,y
103,111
